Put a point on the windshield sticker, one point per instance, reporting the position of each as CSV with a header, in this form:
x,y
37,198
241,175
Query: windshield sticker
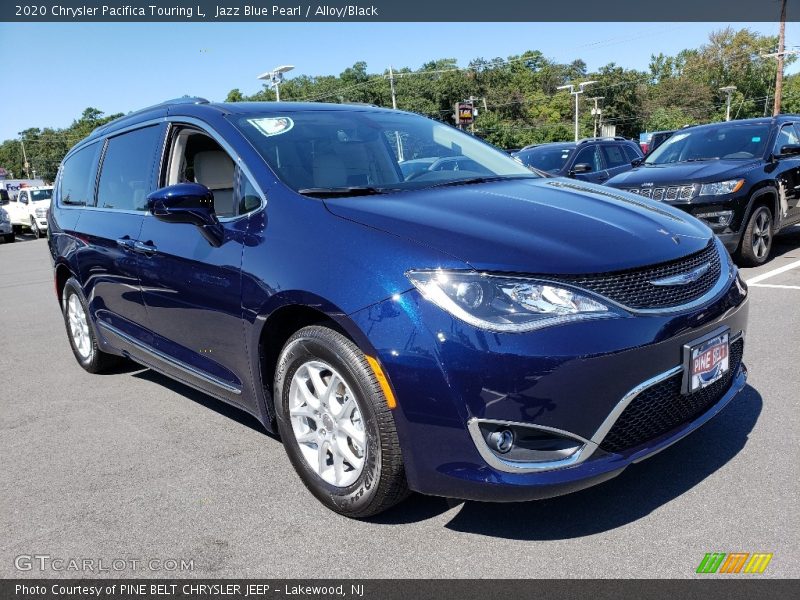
x,y
272,125
755,139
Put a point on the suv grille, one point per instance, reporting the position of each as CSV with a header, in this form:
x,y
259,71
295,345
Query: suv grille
x,y
633,288
675,192
661,408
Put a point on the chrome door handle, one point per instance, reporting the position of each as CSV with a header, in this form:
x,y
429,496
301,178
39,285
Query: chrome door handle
x,y
125,242
144,247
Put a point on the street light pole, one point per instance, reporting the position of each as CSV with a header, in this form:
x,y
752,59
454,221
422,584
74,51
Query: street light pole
x,y
275,77
581,88
728,89
597,112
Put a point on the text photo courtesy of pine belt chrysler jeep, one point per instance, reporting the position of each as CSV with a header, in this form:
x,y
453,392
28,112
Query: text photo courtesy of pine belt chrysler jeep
x,y
481,333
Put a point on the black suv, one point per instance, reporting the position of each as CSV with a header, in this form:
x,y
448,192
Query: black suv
x,y
590,159
742,178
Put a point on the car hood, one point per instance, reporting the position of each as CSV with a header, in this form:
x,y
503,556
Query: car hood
x,y
681,173
544,226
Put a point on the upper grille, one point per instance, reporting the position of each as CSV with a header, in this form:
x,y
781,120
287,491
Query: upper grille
x,y
675,192
661,408
633,289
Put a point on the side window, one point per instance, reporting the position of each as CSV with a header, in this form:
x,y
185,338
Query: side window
x,y
786,136
631,153
249,199
589,156
23,197
614,156
127,168
196,157
76,185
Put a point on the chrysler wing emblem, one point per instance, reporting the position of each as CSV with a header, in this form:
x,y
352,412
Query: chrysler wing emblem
x,y
683,278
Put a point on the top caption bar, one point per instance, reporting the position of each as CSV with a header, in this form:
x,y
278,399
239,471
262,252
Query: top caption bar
x,y
125,11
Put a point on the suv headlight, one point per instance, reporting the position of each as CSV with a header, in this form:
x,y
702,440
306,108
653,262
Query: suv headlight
x,y
719,188
41,212
3,216
512,304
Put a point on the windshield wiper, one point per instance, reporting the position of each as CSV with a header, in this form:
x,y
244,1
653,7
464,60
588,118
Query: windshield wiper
x,y
701,159
336,192
482,179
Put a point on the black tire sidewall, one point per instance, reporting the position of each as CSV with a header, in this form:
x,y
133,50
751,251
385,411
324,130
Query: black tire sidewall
x,y
357,497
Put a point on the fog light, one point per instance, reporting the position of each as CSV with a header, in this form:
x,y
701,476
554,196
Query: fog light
x,y
721,218
502,440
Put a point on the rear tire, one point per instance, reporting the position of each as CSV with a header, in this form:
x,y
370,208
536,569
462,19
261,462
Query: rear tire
x,y
9,238
350,457
756,243
81,332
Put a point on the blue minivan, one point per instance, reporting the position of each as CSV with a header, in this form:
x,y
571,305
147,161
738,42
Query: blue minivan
x,y
480,333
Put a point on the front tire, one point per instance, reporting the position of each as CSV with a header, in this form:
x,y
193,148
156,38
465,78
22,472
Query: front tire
x,y
37,233
81,331
9,238
757,238
336,426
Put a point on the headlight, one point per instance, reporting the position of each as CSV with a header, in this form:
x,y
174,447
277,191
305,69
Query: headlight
x,y
3,216
512,304
721,187
41,212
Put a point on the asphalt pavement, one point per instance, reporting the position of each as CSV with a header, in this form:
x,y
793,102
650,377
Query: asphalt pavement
x,y
132,466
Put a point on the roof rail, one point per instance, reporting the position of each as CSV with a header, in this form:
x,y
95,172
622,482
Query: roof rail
x,y
181,100
616,138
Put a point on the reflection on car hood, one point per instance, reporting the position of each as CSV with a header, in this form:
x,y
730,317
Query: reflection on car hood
x,y
533,226
704,171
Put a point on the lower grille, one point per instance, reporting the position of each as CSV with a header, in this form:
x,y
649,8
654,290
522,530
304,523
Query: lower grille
x,y
661,408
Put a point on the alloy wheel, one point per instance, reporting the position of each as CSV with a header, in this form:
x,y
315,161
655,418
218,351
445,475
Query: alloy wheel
x,y
327,423
79,327
762,235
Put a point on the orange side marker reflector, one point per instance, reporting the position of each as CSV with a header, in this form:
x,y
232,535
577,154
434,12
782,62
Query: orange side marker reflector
x,y
384,383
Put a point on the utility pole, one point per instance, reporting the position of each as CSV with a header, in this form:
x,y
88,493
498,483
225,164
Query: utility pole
x,y
779,75
397,140
597,112
25,159
581,88
391,84
728,89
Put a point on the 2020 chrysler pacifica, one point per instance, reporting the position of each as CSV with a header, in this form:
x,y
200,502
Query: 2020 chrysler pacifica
x,y
479,333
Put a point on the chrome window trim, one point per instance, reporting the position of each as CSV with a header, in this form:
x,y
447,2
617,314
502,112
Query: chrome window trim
x,y
590,445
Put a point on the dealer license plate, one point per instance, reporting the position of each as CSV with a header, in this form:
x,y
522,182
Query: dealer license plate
x,y
708,361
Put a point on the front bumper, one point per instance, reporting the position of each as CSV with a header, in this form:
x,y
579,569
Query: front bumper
x,y
6,228
446,373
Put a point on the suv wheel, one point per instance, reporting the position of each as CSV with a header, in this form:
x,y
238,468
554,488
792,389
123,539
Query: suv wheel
x,y
757,239
333,419
37,233
80,331
9,237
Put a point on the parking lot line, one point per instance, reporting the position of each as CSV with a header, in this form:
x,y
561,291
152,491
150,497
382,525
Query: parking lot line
x,y
775,285
778,271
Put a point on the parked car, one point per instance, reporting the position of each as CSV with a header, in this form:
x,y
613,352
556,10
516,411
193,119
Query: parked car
x,y
6,229
656,139
741,177
487,334
28,210
591,159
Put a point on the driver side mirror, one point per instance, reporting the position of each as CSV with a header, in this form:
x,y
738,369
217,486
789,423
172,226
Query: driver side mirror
x,y
580,168
637,161
191,203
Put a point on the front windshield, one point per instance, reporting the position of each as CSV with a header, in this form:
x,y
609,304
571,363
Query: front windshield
x,y
338,151
37,195
546,158
726,141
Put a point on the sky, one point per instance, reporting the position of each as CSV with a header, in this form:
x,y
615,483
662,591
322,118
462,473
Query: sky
x,y
124,67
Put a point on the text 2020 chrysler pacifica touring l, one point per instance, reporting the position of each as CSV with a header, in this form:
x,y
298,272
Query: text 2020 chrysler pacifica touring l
x,y
484,334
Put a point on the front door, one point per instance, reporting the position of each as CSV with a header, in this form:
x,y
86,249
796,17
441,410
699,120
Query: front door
x,y
192,289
